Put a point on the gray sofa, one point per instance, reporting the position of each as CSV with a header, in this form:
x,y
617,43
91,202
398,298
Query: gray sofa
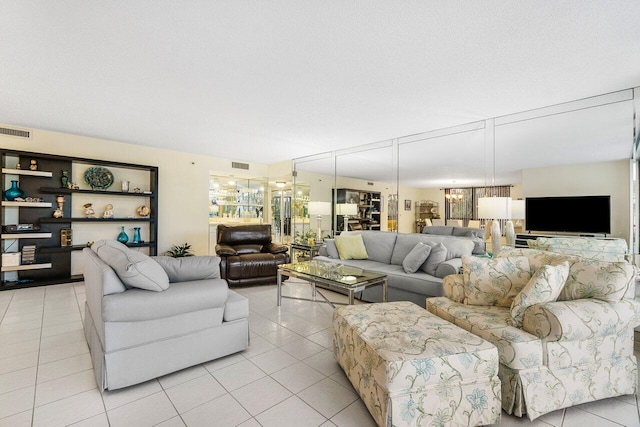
x,y
387,250
186,315
475,234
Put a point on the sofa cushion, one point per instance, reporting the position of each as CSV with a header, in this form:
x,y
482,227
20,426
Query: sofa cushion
x,y
606,281
137,305
467,232
456,246
416,257
437,256
351,246
379,244
537,258
135,269
236,307
611,250
332,249
494,281
247,249
517,349
185,269
545,286
440,230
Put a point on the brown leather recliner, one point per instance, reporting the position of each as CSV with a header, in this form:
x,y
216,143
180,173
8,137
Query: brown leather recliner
x,y
248,257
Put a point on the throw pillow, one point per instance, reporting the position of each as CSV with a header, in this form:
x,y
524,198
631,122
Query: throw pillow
x,y
437,256
416,257
332,250
494,281
545,286
135,269
351,246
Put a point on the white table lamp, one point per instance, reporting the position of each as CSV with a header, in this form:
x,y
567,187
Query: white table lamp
x,y
495,208
318,209
517,213
346,209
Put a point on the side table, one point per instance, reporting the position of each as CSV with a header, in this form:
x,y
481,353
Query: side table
x,y
312,250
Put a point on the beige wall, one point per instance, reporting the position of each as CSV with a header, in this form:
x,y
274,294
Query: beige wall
x,y
183,179
593,179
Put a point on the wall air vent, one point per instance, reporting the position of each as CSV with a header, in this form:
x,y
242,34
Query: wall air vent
x,y
15,132
238,165
369,183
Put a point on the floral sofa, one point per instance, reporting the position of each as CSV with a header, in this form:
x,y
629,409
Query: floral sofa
x,y
563,325
612,250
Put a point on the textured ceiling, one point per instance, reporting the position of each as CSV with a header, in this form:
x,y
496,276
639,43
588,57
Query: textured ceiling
x,y
270,81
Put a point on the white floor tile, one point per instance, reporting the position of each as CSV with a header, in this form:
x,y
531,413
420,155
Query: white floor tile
x,y
172,422
62,368
257,345
23,419
281,336
261,395
323,338
65,387
148,411
70,410
19,318
96,421
328,397
328,424
53,354
263,326
19,326
613,410
297,377
10,338
116,398
552,418
62,339
15,402
223,362
16,363
251,422
182,376
61,319
50,331
302,349
324,362
273,360
187,396
354,415
577,418
225,410
292,412
306,328
341,378
10,350
238,375
17,379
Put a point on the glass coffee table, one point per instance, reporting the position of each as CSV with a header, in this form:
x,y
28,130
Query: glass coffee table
x,y
332,276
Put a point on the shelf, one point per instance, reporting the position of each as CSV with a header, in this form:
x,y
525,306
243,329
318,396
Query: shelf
x,y
81,247
27,172
67,220
61,190
27,204
27,267
25,236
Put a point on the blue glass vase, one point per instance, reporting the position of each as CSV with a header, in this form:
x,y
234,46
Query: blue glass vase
x,y
122,237
13,192
136,235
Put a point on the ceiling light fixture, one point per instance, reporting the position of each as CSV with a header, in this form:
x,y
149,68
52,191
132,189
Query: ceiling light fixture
x,y
280,184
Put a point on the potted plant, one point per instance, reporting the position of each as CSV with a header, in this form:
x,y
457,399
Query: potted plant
x,y
179,251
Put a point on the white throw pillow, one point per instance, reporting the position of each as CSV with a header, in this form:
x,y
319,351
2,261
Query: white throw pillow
x,y
135,269
416,257
545,286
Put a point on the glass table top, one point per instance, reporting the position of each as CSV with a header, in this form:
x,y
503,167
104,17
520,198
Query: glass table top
x,y
338,273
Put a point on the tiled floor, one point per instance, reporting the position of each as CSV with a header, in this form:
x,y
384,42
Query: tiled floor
x,y
287,377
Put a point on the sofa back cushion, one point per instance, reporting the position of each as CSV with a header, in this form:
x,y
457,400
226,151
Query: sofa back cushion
x,y
456,247
135,269
185,269
331,248
379,244
545,286
441,230
611,250
494,281
250,234
468,232
606,281
537,258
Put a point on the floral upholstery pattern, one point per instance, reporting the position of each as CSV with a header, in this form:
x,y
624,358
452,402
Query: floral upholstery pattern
x,y
545,286
453,287
412,368
494,281
610,250
537,258
606,281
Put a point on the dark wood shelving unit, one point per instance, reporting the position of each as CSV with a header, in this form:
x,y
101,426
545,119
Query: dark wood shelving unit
x,y
54,259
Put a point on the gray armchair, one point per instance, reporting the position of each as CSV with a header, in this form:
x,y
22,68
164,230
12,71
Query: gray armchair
x,y
147,317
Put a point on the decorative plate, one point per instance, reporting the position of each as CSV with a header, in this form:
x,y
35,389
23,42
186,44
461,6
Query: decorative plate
x,y
98,178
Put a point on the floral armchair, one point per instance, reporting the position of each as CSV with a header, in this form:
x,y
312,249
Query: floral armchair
x,y
563,325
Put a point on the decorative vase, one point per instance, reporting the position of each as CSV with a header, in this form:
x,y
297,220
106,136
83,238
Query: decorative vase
x,y
496,238
13,192
510,233
136,235
122,237
64,179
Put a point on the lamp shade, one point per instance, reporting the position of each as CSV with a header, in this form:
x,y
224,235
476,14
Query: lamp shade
x,y
319,208
517,209
347,209
494,207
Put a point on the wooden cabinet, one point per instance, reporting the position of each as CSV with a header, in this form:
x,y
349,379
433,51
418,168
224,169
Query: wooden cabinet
x,y
425,209
369,207
43,187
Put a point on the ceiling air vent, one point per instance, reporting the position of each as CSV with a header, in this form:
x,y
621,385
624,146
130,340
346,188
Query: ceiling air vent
x,y
15,132
238,165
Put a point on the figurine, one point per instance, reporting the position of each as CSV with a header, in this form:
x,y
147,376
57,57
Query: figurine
x,y
58,212
34,165
108,211
143,211
88,211
18,165
64,179
137,190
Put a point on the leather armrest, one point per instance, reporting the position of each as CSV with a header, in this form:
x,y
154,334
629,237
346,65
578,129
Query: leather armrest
x,y
225,250
274,248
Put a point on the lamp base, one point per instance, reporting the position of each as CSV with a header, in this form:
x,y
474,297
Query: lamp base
x,y
496,238
510,233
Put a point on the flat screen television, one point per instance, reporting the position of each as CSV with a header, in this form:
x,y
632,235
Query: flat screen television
x,y
577,214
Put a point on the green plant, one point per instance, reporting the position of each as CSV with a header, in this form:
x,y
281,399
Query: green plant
x,y
304,237
179,251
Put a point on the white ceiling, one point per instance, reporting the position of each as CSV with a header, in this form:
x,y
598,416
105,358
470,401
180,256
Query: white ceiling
x,y
270,81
